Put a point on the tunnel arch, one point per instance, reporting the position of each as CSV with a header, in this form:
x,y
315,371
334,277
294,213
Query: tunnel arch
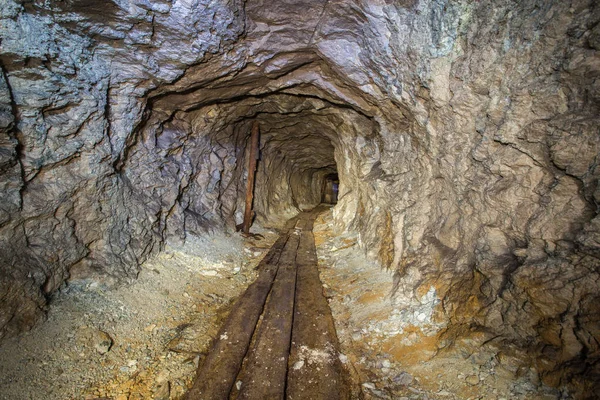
x,y
465,141
310,131
330,188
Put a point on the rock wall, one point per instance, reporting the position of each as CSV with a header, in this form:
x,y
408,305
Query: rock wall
x,y
73,95
504,222
465,135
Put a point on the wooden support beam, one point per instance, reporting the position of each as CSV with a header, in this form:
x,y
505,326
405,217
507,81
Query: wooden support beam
x,y
253,157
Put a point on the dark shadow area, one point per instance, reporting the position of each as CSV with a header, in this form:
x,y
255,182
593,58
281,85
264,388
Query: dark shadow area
x,y
330,189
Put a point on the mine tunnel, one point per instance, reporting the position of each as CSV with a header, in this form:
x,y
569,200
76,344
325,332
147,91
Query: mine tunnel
x,y
330,188
422,208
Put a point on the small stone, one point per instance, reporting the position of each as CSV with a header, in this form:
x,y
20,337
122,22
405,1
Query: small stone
x,y
238,385
386,364
102,341
472,380
150,328
162,376
162,391
298,364
404,378
369,385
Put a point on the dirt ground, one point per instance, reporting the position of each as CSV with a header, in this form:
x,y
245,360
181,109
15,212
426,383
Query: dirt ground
x,y
142,340
390,344
145,339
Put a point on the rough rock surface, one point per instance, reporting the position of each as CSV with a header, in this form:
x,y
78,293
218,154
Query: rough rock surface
x,y
393,352
465,135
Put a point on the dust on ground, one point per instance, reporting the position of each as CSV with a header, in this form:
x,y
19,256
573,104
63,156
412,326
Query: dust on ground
x,y
141,340
390,345
145,339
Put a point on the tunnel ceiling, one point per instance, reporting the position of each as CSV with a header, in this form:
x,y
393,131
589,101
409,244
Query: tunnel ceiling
x,y
279,77
464,133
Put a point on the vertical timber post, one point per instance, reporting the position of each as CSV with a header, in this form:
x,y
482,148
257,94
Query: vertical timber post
x,y
251,172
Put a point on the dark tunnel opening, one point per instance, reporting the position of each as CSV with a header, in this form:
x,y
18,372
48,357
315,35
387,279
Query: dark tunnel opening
x,y
303,139
330,189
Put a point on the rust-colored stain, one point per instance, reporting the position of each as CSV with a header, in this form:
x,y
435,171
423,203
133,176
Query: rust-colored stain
x,y
371,296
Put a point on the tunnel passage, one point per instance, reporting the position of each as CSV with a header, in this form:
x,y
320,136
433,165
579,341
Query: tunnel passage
x,y
464,135
330,189
305,137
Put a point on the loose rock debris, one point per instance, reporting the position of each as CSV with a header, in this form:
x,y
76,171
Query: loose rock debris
x,y
391,343
146,340
142,340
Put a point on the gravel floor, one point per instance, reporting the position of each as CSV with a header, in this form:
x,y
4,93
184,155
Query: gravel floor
x,y
390,343
144,340
141,340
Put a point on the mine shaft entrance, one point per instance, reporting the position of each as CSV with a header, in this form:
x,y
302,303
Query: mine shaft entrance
x,y
330,188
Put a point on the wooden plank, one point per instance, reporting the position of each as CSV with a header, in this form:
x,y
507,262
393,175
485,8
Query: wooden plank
x,y
315,371
300,224
264,373
217,373
252,160
289,296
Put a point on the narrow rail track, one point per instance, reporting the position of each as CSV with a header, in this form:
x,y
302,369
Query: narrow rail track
x,y
279,340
